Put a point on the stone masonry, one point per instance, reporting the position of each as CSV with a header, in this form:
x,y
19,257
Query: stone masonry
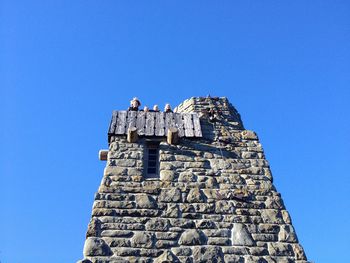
x,y
214,200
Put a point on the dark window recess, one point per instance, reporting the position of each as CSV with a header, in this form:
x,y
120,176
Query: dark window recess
x,y
152,161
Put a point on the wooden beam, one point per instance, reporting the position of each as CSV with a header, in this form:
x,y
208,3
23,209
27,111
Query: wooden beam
x,y
173,135
121,123
179,123
113,122
196,125
103,155
132,134
140,122
159,124
188,125
149,129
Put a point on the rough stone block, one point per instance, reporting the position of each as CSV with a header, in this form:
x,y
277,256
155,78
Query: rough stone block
x,y
241,236
249,135
299,252
142,240
287,234
172,210
195,196
205,224
182,251
166,257
157,224
145,201
208,254
233,259
145,252
165,244
271,216
170,195
95,246
119,242
167,235
116,233
167,175
94,228
187,177
192,237
280,249
219,241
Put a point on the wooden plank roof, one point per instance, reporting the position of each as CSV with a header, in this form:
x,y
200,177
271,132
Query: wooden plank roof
x,y
155,123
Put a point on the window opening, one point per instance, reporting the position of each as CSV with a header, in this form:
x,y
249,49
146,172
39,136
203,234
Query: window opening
x,y
152,160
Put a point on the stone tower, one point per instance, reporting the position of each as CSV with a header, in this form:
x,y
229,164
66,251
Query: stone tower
x,y
188,186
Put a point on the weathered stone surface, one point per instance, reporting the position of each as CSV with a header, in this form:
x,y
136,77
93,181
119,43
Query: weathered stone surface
x,y
172,210
134,172
280,249
183,223
271,216
114,170
274,202
119,242
116,233
94,228
187,177
195,196
145,201
217,232
205,224
166,257
299,252
287,234
167,235
150,252
192,237
241,236
167,175
142,239
207,254
182,251
234,259
224,207
170,195
269,228
166,243
127,252
96,247
219,241
157,224
258,251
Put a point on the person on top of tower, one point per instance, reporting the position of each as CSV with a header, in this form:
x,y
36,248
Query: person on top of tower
x,y
134,104
167,108
156,108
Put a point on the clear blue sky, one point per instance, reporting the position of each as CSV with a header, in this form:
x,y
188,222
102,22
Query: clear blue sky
x,y
65,65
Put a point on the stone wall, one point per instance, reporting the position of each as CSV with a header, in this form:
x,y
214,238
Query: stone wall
x,y
214,200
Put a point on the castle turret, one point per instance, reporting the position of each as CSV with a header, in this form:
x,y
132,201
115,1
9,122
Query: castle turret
x,y
188,186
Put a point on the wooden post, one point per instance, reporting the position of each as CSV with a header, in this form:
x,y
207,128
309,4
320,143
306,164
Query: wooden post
x,y
173,135
132,134
102,155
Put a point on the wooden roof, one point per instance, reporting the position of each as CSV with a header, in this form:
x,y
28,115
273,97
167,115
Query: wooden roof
x,y
155,123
